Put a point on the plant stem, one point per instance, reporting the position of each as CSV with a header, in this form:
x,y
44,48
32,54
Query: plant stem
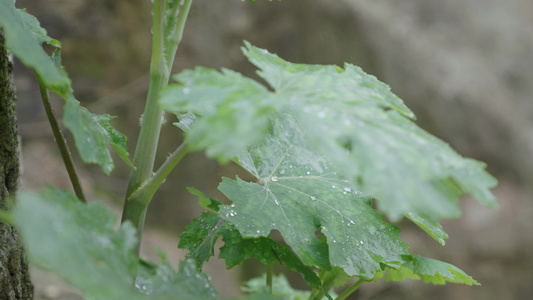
x,y
135,207
61,142
347,292
269,278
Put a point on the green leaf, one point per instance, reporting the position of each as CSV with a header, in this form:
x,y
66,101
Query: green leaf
x,y
433,228
24,38
237,249
350,118
77,242
430,271
297,195
205,201
218,97
91,133
201,234
199,238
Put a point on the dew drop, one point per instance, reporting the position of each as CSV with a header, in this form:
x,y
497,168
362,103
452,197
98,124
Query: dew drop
x,y
347,189
313,198
186,90
308,173
333,186
274,178
276,200
362,242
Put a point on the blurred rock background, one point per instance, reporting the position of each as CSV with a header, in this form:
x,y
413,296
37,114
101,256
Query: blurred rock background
x,y
465,67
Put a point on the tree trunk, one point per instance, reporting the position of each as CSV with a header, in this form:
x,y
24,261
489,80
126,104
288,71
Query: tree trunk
x,y
14,276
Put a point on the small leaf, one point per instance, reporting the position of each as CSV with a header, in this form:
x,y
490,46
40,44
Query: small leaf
x,y
199,238
438,272
237,249
205,201
428,270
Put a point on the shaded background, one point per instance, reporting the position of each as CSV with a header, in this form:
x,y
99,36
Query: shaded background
x,y
465,67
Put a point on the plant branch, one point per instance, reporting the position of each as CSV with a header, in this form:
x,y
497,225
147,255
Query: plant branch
x,y
61,142
148,189
347,292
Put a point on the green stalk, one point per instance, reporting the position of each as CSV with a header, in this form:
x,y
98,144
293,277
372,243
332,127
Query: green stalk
x,y
347,292
269,278
61,142
148,189
164,45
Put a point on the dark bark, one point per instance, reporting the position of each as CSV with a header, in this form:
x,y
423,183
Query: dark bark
x,y
14,275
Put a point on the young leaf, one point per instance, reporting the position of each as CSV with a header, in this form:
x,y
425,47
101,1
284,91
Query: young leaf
x,y
77,242
364,131
24,38
430,271
200,237
237,249
297,195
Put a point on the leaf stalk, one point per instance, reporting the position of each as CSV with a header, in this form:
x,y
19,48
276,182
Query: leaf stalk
x,y
61,142
347,292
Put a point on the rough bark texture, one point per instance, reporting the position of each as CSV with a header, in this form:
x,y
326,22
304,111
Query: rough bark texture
x,y
14,275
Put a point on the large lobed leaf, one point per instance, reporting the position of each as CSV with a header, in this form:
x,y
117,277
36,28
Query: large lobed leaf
x,y
24,38
351,119
298,195
77,242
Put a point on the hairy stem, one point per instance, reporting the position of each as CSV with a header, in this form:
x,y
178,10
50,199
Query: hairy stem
x,y
61,142
347,292
164,45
